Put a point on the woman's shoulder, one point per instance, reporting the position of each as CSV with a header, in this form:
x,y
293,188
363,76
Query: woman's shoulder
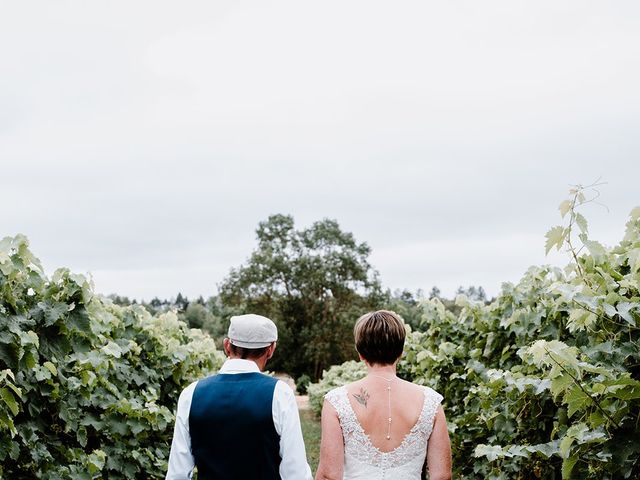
x,y
428,392
342,390
432,394
338,398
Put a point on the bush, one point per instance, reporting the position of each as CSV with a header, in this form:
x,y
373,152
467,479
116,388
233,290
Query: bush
x,y
87,388
302,383
336,376
543,382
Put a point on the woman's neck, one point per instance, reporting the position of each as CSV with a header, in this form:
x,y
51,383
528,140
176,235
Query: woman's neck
x,y
386,371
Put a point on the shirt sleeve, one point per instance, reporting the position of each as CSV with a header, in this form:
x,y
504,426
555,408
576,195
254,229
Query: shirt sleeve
x,y
293,463
181,462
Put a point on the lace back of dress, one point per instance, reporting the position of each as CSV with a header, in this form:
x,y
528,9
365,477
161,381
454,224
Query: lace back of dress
x,y
410,454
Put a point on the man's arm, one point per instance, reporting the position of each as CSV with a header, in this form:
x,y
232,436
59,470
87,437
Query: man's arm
x,y
293,464
181,461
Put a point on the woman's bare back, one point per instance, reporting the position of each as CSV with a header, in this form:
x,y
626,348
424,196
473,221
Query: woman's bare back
x,y
370,399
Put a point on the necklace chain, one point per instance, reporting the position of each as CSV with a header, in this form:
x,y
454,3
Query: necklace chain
x,y
388,380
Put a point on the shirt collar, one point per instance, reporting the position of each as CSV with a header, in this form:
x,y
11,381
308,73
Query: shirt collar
x,y
239,365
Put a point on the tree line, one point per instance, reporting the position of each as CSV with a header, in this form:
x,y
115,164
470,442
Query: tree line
x,y
314,283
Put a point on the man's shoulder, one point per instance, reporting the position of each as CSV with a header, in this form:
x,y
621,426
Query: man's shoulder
x,y
189,388
221,377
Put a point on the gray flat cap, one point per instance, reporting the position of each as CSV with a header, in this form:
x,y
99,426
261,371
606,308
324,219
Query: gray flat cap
x,y
252,331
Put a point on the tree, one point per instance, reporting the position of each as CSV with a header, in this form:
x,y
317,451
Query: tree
x,y
314,283
181,303
408,305
474,293
434,293
209,316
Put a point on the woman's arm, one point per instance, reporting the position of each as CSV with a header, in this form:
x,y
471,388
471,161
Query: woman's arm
x,y
331,446
439,449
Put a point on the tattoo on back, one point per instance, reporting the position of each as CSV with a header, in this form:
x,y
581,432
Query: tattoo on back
x,y
362,397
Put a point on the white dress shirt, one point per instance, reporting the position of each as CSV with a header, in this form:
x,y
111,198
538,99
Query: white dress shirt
x,y
293,464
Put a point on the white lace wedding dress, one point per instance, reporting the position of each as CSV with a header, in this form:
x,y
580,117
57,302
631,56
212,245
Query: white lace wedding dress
x,y
364,461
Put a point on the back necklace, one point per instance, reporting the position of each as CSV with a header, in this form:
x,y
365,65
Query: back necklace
x,y
388,380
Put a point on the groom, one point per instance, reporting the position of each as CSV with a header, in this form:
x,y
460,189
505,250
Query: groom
x,y
240,424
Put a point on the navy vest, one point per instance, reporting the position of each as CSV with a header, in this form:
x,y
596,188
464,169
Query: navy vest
x,y
231,425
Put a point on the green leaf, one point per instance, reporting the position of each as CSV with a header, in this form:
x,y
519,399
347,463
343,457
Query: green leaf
x,y
112,349
635,213
565,445
560,384
51,367
582,223
567,466
576,400
81,435
580,320
565,207
597,251
545,449
624,310
53,311
491,452
96,461
9,400
634,259
555,237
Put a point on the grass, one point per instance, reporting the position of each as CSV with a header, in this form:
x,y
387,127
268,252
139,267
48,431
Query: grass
x,y
311,434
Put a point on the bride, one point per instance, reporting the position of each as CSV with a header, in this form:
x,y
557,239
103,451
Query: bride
x,y
382,427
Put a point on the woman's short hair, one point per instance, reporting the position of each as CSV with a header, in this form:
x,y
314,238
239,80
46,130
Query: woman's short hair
x,y
380,337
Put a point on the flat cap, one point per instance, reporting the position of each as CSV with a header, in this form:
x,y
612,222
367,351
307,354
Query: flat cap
x,y
252,331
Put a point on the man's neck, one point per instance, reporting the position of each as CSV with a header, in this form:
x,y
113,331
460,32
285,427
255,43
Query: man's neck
x,y
260,362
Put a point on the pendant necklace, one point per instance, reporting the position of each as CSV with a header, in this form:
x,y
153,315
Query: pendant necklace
x,y
388,380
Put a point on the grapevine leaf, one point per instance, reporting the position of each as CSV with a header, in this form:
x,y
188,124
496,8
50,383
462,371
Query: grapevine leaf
x,y
567,466
597,251
9,400
555,237
576,400
112,349
610,310
51,367
96,461
624,308
560,384
565,207
492,452
545,449
580,320
634,259
582,223
565,444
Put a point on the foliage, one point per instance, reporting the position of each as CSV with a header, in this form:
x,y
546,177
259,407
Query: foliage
x,y
408,305
313,283
200,315
336,376
543,382
302,382
87,388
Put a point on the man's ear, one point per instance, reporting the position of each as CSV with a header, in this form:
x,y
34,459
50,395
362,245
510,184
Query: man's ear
x,y
272,349
225,346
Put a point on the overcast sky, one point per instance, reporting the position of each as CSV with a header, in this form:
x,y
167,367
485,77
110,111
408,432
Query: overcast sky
x,y
144,141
